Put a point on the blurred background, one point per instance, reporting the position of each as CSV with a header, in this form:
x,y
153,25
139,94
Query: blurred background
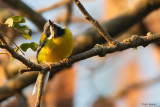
x,y
130,78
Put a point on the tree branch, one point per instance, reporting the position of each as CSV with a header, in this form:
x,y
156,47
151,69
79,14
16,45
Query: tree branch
x,y
41,78
16,83
95,23
61,3
132,42
68,13
115,26
19,57
3,40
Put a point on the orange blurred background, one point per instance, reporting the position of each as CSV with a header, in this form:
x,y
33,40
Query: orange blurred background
x,y
101,82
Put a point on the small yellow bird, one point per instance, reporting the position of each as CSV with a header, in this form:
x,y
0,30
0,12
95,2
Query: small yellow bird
x,y
56,43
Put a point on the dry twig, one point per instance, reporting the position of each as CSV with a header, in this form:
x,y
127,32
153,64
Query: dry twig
x,y
68,13
40,87
61,3
95,23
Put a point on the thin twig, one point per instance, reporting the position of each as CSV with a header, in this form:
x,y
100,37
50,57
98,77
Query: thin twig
x,y
2,39
12,42
61,3
20,57
40,87
3,53
95,23
26,70
73,19
68,13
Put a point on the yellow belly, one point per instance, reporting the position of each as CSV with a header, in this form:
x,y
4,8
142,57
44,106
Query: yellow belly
x,y
56,49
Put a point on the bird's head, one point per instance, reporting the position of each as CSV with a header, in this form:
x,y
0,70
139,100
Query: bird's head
x,y
53,30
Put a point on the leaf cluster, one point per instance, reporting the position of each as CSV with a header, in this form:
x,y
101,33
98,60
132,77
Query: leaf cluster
x,y
15,23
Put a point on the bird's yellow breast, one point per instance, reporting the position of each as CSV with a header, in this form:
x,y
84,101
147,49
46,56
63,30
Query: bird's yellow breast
x,y
56,49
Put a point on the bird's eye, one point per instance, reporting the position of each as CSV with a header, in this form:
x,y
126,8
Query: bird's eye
x,y
47,32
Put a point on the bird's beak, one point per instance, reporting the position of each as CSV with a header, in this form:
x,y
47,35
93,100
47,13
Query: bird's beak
x,y
50,23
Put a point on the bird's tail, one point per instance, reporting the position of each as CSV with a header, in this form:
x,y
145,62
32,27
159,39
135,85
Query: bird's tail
x,y
38,82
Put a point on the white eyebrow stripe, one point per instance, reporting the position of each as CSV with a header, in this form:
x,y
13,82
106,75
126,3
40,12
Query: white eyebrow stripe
x,y
52,33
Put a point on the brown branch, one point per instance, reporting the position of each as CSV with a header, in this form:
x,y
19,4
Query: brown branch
x,y
2,39
95,23
68,13
115,26
19,95
25,10
61,3
132,42
16,83
12,41
26,70
73,19
20,57
41,78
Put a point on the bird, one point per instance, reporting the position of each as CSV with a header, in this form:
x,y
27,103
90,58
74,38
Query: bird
x,y
56,43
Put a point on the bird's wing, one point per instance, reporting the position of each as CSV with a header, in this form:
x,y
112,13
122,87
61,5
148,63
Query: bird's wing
x,y
41,45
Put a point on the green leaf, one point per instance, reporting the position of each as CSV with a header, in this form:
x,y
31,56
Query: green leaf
x,y
18,19
26,36
25,31
14,20
31,45
9,22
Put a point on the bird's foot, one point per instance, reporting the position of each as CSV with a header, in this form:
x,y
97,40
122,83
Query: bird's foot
x,y
65,60
47,64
